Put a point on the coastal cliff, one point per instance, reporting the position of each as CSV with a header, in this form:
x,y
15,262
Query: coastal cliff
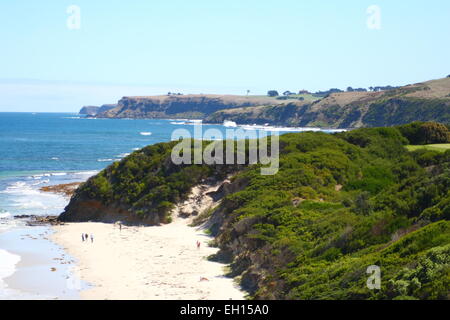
x,y
339,204
180,106
92,111
427,101
89,110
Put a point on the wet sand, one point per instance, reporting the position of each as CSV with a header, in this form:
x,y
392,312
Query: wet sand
x,y
43,269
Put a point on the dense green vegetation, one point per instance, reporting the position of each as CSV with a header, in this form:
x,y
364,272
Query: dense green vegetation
x,y
146,184
400,110
421,133
339,204
296,236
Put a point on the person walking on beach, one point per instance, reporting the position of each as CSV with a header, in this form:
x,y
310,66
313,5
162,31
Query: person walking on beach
x,y
86,237
82,237
92,238
198,244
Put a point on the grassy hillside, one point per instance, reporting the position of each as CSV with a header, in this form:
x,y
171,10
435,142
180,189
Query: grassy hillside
x,y
433,147
339,204
428,101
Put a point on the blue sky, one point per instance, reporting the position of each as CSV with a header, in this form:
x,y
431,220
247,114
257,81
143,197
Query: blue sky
x,y
203,46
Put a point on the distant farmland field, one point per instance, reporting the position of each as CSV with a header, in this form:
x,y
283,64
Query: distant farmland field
x,y
436,147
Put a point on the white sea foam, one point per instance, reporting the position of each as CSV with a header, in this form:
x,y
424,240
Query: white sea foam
x,y
229,124
278,129
32,204
123,155
8,262
4,214
187,122
39,176
59,174
86,173
40,182
335,130
26,198
145,133
266,127
18,187
55,158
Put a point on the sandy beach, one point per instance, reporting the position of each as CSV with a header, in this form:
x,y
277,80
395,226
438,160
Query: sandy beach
x,y
160,262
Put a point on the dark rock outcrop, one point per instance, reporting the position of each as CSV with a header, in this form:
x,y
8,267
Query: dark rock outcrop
x,y
81,209
33,220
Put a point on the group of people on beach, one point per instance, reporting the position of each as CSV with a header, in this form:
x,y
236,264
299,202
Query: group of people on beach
x,y
85,237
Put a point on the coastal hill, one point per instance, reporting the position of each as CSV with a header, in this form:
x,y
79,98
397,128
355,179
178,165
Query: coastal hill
x,y
427,101
339,204
180,106
89,110
94,110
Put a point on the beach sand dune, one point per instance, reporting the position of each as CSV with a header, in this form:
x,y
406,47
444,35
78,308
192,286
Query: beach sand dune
x,y
161,262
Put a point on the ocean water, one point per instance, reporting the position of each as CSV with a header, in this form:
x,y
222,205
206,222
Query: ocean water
x,y
42,149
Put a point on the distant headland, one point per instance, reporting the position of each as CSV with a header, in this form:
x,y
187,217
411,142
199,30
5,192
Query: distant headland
x,y
335,108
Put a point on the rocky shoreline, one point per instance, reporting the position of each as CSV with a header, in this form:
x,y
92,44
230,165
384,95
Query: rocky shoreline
x,y
33,220
66,189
